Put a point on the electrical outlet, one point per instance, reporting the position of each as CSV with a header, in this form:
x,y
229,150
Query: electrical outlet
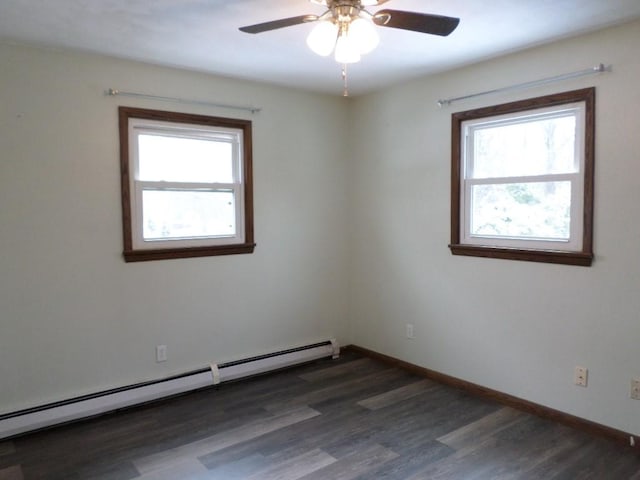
x,y
409,330
161,353
635,388
580,376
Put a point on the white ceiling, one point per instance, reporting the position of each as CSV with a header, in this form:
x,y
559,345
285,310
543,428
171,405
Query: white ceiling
x,y
203,35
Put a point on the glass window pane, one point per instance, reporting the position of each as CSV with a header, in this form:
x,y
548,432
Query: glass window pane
x,y
174,214
534,147
539,210
180,159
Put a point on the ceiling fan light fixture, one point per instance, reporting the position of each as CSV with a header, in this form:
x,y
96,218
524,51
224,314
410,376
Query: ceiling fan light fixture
x,y
322,38
349,30
347,50
364,34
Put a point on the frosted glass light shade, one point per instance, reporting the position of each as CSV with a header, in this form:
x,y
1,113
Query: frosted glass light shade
x,y
363,33
346,49
322,38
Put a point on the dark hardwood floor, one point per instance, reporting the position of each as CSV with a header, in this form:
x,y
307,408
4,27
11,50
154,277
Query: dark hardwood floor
x,y
352,418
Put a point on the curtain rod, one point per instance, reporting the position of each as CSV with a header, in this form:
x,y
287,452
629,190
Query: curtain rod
x,y
113,92
543,81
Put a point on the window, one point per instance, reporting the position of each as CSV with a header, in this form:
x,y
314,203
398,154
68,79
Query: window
x,y
186,185
522,180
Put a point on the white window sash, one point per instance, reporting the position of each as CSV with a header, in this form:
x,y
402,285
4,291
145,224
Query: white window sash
x,y
137,216
162,128
574,243
551,177
185,186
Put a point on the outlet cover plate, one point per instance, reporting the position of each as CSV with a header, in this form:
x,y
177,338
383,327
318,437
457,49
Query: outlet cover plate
x,y
410,333
635,388
580,376
161,353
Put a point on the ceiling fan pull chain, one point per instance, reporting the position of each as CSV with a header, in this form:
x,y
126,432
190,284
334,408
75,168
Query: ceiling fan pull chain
x,y
345,81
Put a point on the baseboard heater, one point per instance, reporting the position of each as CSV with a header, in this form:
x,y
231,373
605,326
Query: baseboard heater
x,y
15,423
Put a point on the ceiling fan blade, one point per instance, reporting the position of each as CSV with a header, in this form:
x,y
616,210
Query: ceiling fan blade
x,y
417,22
274,25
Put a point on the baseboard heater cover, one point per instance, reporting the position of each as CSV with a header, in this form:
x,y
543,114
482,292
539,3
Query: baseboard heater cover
x,y
16,423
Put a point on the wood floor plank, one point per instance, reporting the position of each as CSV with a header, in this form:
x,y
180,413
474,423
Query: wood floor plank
x,y
411,461
359,366
354,465
318,432
454,467
326,393
429,416
475,432
223,439
497,456
552,465
7,448
596,460
520,460
107,470
328,432
240,468
11,473
296,467
396,395
190,469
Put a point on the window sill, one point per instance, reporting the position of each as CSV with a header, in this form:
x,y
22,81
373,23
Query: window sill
x,y
582,259
170,253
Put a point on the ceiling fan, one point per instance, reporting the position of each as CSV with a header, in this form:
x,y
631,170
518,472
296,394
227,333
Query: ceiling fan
x,y
348,30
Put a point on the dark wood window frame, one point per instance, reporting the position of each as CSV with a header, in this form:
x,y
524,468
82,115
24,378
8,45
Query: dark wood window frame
x,y
584,257
136,255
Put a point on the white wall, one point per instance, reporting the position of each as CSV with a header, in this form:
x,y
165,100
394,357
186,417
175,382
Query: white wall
x,y
74,318
517,327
